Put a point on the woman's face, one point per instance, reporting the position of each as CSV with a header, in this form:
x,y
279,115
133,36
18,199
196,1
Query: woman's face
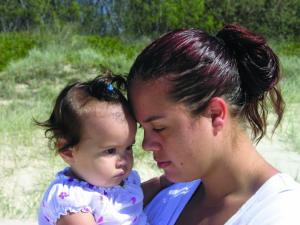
x,y
183,146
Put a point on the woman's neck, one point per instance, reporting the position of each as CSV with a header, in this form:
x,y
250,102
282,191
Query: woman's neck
x,y
240,172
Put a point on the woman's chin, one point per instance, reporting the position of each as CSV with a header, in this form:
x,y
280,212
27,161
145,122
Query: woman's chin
x,y
175,178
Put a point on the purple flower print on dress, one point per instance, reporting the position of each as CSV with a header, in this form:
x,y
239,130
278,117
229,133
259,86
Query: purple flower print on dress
x,y
63,195
100,220
85,210
71,179
135,219
47,218
133,200
105,193
91,186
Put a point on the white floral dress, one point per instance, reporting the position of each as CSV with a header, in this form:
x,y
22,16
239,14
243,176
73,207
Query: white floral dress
x,y
114,205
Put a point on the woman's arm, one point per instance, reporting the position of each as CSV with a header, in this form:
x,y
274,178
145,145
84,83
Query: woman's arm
x,y
77,219
153,186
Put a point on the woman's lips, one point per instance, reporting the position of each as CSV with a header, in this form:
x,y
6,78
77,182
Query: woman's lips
x,y
163,164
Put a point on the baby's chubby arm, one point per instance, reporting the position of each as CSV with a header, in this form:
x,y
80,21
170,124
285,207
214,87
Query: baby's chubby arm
x,y
77,219
153,186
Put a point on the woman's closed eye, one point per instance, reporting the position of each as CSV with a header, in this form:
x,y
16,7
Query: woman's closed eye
x,y
158,129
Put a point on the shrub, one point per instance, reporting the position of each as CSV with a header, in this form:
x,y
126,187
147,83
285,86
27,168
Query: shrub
x,y
112,45
15,46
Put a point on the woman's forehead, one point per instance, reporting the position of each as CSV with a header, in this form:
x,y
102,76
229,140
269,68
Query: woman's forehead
x,y
152,101
161,84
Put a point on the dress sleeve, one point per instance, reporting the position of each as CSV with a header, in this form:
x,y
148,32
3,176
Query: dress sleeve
x,y
62,199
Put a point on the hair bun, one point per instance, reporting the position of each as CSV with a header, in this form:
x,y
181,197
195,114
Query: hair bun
x,y
258,66
240,38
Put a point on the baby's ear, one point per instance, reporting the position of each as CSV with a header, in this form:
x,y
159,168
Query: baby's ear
x,y
67,154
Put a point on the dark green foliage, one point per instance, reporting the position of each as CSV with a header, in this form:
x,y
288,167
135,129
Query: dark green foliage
x,y
102,51
154,17
272,18
14,46
16,15
138,18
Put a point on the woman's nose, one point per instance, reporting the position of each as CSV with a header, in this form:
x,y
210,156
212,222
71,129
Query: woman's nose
x,y
150,143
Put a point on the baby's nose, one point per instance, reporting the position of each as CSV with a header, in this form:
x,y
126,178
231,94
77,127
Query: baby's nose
x,y
122,161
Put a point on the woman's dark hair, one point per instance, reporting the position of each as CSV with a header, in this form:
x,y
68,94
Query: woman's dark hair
x,y
65,121
237,65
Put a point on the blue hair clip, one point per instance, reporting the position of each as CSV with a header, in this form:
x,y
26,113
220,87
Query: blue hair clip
x,y
110,88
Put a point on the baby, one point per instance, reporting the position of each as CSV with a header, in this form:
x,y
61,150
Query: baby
x,y
93,131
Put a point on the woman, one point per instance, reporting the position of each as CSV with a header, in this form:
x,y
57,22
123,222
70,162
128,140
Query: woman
x,y
202,102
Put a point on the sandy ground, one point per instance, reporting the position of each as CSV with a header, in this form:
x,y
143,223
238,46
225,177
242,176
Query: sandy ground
x,y
281,157
273,151
17,222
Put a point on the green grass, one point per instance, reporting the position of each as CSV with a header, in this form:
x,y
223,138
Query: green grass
x,y
290,86
29,84
26,161
291,80
27,164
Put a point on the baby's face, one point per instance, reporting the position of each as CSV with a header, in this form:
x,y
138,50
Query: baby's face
x,y
103,156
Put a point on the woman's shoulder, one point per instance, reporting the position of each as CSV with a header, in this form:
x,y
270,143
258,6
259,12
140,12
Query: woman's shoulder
x,y
276,202
280,187
282,196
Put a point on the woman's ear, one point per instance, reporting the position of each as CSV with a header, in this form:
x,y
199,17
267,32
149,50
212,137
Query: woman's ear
x,y
218,111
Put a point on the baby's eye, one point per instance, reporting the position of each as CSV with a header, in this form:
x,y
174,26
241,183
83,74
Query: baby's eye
x,y
129,148
110,151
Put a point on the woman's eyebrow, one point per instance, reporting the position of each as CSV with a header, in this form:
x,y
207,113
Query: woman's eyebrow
x,y
151,118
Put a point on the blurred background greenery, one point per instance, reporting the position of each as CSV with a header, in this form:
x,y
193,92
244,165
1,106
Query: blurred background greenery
x,y
44,44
